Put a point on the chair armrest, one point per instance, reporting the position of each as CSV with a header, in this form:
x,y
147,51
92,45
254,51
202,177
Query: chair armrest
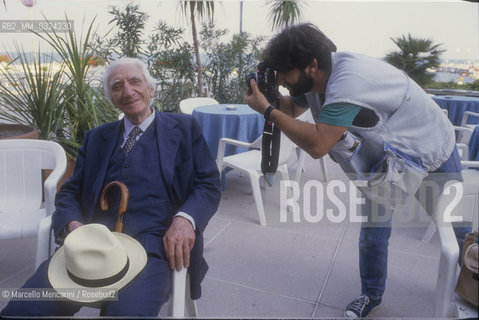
x,y
50,190
463,150
178,293
470,164
51,183
466,115
44,241
222,146
463,134
237,143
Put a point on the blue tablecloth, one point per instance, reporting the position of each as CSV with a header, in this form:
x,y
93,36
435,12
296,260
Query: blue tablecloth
x,y
457,105
474,145
217,121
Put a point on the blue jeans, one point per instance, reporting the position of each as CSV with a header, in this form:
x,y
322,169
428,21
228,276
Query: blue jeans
x,y
374,239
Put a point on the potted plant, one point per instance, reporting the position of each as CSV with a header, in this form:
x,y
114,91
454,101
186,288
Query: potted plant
x,y
87,106
17,131
32,94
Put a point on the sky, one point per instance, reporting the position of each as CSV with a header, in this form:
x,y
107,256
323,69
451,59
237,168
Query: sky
x,y
360,26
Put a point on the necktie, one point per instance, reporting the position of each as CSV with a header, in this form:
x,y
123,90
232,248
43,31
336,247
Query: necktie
x,y
130,142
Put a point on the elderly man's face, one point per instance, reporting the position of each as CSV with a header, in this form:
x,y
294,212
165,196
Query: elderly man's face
x,y
130,93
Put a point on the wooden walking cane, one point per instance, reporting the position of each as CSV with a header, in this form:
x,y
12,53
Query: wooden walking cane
x,y
123,202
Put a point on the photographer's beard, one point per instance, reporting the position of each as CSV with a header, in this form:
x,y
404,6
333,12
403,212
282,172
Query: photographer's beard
x,y
304,84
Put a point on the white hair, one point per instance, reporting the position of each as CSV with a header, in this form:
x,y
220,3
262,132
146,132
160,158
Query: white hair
x,y
150,81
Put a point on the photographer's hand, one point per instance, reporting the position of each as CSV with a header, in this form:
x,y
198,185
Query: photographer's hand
x,y
255,99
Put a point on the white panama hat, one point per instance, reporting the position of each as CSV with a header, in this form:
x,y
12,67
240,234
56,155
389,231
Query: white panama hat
x,y
93,257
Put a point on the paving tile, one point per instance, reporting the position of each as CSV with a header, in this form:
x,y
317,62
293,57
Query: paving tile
x,y
269,259
236,197
227,300
16,254
323,311
16,280
316,220
409,240
215,226
411,277
343,283
410,286
294,220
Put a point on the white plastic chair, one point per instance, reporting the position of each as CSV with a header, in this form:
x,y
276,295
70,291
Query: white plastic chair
x,y
308,117
249,163
21,164
463,134
465,118
468,208
180,303
463,151
187,105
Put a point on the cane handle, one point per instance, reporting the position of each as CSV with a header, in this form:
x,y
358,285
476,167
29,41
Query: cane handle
x,y
123,202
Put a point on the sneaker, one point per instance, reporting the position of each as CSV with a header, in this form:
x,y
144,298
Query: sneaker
x,y
361,307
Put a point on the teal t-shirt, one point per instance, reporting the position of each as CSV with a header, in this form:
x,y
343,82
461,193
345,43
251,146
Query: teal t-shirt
x,y
338,114
341,114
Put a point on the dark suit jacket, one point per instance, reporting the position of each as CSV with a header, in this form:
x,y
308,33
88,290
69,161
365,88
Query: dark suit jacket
x,y
189,171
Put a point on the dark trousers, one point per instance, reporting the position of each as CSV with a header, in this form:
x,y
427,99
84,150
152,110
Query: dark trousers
x,y
142,297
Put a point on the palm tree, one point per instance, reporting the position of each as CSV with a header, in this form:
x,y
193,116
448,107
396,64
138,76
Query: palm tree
x,y
191,10
415,56
284,13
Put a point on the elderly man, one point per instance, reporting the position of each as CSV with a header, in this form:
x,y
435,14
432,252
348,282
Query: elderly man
x,y
373,120
173,184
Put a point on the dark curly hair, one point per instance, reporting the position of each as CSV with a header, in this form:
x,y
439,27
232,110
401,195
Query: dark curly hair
x,y
297,46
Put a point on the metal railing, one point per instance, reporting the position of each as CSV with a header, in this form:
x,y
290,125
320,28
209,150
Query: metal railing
x,y
453,92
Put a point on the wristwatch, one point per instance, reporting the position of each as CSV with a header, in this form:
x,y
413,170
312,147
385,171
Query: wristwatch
x,y
268,111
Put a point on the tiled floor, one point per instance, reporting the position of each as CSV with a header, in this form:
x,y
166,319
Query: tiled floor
x,y
284,269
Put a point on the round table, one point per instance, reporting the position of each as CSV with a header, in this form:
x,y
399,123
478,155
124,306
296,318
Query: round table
x,y
456,106
237,121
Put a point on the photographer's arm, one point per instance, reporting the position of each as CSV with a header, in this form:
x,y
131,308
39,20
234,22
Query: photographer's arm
x,y
316,139
288,107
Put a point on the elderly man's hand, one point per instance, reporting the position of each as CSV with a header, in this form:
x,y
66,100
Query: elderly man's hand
x,y
178,242
73,225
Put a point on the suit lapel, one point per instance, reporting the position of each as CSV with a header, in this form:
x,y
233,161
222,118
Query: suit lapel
x,y
107,146
167,145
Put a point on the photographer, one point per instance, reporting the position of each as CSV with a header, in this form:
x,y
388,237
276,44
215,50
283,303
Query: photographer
x,y
368,114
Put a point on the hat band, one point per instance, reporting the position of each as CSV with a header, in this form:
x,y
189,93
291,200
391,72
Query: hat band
x,y
103,281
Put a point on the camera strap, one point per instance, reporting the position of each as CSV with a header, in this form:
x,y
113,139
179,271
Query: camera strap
x,y
270,146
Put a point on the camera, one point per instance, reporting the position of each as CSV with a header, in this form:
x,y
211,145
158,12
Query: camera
x,y
265,77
